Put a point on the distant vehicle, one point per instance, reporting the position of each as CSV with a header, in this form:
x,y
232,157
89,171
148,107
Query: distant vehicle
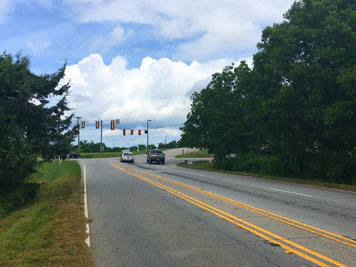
x,y
74,155
127,157
156,155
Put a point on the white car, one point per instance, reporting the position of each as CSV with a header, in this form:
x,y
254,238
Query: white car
x,y
127,157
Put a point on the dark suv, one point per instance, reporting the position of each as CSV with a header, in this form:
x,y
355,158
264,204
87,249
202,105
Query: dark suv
x,y
156,155
74,155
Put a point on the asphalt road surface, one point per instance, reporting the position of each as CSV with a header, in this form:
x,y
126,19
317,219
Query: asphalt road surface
x,y
163,215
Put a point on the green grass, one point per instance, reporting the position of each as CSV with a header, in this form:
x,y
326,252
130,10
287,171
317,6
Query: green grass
x,y
50,231
106,155
208,166
203,154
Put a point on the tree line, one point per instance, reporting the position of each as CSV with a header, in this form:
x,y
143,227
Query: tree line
x,y
92,147
293,113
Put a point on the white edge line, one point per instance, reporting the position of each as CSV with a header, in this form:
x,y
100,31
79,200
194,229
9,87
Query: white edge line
x,y
87,241
289,192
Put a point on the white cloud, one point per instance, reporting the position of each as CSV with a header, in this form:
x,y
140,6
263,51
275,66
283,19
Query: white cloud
x,y
5,7
157,90
211,27
38,46
117,36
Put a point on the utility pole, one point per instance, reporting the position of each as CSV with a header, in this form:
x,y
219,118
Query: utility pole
x,y
101,136
147,133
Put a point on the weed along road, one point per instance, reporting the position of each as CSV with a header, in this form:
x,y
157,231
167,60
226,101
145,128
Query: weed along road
x,y
164,215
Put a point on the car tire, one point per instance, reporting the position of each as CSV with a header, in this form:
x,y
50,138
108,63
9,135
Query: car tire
x,y
150,162
162,162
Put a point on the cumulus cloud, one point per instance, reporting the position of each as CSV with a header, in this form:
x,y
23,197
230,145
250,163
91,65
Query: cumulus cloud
x,y
205,28
156,90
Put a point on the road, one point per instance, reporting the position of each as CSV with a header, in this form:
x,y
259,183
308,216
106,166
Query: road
x,y
164,215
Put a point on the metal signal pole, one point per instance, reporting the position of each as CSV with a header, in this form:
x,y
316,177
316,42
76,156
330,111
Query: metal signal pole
x,y
78,133
147,133
101,136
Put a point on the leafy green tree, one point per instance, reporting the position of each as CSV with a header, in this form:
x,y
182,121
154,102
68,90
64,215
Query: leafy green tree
x,y
133,148
92,147
216,119
30,126
172,144
141,147
180,143
297,106
151,147
116,149
305,68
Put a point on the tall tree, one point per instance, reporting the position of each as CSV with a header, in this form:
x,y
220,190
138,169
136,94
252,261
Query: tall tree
x,y
305,67
299,100
216,119
29,125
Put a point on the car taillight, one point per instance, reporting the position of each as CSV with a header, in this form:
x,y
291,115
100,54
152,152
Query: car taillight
x,y
150,156
133,155
164,155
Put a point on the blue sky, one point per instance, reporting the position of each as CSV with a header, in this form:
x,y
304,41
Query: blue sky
x,y
135,60
49,37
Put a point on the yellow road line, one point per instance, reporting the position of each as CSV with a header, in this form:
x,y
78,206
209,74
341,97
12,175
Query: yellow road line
x,y
277,217
235,220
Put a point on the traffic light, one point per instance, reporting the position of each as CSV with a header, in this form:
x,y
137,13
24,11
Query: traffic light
x,y
139,132
124,131
132,131
97,124
112,126
83,124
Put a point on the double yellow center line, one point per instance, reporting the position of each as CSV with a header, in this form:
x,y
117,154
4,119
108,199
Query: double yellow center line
x,y
289,246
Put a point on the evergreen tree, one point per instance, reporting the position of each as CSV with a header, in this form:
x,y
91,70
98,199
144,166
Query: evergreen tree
x,y
29,126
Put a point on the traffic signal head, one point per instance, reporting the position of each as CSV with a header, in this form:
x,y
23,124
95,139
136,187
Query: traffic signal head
x,y
139,132
112,125
83,124
132,131
124,131
97,124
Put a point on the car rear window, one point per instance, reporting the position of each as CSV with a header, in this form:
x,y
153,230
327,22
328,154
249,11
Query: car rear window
x,y
157,151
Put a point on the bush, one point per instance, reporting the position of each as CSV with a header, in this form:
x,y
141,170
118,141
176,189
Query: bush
x,y
17,198
256,163
224,164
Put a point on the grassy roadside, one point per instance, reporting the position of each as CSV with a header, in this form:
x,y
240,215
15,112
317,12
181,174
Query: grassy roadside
x,y
208,166
50,231
106,155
